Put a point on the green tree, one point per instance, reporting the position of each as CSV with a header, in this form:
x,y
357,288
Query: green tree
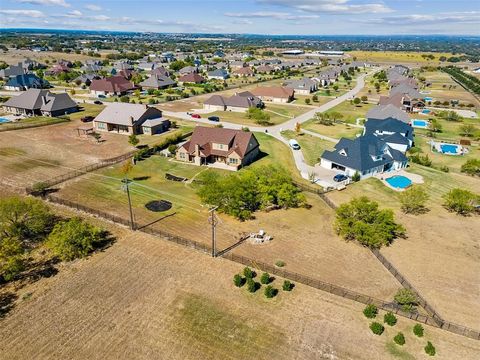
x,y
73,239
357,101
435,126
238,280
11,261
362,220
133,140
307,101
399,339
370,311
461,201
377,328
335,87
471,167
259,116
413,200
24,218
265,278
251,285
418,330
467,130
390,319
356,176
248,273
364,98
406,298
287,285
270,291
430,349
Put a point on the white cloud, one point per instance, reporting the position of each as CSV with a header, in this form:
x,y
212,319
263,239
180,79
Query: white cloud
x,y
93,7
330,6
74,14
46,2
99,17
472,17
269,14
27,13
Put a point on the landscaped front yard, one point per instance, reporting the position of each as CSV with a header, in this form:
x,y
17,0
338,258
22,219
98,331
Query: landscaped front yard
x,y
312,147
336,131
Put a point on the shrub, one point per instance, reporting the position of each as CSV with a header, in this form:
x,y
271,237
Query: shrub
x,y
238,280
287,285
461,201
307,101
471,167
370,311
390,319
280,263
251,285
430,349
406,298
248,273
418,330
362,220
270,291
444,168
11,257
356,101
265,278
73,239
356,176
413,200
133,140
421,160
399,339
377,328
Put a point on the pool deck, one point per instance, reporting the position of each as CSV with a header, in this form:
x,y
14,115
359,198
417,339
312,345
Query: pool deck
x,y
415,178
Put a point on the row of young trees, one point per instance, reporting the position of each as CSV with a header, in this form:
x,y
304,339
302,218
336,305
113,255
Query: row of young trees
x,y
469,81
27,224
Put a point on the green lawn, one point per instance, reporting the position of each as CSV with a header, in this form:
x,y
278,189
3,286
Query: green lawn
x,y
350,111
241,117
335,131
312,147
86,109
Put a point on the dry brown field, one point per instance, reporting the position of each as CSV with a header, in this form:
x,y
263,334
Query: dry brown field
x,y
145,298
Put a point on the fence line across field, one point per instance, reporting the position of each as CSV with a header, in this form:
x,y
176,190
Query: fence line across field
x,y
432,320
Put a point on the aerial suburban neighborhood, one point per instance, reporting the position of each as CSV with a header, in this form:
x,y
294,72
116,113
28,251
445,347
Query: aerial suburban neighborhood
x,y
239,180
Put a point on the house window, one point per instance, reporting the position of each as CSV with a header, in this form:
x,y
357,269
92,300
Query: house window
x,y
182,155
101,125
233,161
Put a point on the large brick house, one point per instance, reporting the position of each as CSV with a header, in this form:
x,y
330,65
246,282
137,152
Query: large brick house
x,y
228,148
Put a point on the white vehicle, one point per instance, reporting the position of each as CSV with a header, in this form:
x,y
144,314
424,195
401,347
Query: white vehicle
x,y
294,144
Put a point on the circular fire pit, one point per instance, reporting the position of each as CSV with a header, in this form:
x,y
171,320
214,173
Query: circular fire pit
x,y
158,205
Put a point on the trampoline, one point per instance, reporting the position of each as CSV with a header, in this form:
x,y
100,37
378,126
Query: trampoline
x,y
158,205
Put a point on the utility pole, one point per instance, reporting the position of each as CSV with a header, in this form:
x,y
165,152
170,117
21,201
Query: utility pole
x,y
212,219
132,225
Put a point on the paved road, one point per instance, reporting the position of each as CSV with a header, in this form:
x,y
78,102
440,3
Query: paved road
x,y
275,131
325,179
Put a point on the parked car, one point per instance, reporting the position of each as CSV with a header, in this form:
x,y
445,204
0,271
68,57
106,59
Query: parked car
x,y
102,96
87,118
340,178
294,144
97,102
196,116
214,118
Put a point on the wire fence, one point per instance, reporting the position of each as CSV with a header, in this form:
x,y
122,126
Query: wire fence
x,y
10,126
432,319
79,172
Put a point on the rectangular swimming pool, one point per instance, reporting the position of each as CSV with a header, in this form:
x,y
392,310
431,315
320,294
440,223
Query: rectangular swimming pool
x,y
3,120
419,123
449,148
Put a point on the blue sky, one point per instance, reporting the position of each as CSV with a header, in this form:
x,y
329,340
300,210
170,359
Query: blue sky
x,y
316,17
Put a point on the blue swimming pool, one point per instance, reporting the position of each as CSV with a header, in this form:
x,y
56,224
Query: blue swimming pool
x,y
3,120
428,99
426,111
399,182
449,148
419,123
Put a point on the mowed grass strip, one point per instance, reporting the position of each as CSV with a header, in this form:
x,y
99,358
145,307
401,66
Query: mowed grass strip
x,y
215,330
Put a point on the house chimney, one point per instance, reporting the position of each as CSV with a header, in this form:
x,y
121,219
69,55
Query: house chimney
x,y
197,149
131,119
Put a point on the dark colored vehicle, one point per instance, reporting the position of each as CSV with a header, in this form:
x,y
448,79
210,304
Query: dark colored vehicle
x,y
97,102
87,119
340,177
214,118
196,116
